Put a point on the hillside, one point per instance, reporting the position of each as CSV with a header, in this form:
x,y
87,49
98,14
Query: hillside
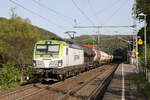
x,y
44,34
107,43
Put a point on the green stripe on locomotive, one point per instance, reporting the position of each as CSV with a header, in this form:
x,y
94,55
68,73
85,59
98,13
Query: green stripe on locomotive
x,y
61,43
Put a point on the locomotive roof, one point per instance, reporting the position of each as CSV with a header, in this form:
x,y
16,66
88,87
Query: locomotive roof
x,y
49,42
76,46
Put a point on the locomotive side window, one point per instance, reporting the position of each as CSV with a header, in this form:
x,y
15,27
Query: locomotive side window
x,y
66,51
76,57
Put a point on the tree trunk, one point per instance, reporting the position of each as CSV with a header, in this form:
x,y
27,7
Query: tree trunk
x,y
22,75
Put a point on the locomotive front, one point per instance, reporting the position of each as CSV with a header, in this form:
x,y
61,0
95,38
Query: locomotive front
x,y
54,59
47,56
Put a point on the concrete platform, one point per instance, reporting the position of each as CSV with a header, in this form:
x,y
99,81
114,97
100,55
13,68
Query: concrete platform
x,y
119,88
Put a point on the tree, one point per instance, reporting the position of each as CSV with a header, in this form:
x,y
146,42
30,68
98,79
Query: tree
x,y
17,42
9,76
143,6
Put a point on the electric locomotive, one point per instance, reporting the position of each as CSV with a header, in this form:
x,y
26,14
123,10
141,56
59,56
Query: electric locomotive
x,y
58,59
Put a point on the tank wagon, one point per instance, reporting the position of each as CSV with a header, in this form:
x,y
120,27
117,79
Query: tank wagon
x,y
58,60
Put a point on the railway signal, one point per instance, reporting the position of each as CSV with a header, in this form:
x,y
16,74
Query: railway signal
x,y
140,42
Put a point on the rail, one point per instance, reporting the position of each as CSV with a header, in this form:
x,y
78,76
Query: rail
x,y
29,94
98,93
14,91
68,93
72,91
93,95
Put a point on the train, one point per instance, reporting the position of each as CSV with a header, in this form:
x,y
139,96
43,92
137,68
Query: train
x,y
55,59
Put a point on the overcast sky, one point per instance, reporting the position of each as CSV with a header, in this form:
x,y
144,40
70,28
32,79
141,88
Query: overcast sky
x,y
58,15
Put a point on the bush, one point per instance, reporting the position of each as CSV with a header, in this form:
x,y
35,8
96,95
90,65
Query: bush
x,y
28,73
9,76
144,85
142,56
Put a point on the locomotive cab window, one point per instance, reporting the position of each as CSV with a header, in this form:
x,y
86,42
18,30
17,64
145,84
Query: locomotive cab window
x,y
53,49
41,49
47,49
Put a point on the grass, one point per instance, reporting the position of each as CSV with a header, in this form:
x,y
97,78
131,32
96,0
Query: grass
x,y
139,86
11,85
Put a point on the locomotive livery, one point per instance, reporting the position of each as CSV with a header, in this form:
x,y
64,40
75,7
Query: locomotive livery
x,y
58,60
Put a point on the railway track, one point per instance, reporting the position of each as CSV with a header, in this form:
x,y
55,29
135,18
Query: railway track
x,y
70,89
30,94
99,91
77,88
78,92
8,95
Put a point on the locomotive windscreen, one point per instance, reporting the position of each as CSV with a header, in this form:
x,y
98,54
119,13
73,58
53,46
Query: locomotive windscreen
x,y
47,49
53,49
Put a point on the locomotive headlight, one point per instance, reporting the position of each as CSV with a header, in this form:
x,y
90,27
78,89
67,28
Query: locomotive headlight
x,y
55,63
34,63
60,63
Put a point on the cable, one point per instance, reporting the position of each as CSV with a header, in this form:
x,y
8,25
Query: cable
x,y
36,14
107,8
92,10
52,10
82,12
123,5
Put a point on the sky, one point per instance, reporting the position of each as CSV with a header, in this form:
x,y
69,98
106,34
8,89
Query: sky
x,y
59,16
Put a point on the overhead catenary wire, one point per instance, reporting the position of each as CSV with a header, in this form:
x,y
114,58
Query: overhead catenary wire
x,y
116,11
44,18
82,12
107,8
92,10
52,10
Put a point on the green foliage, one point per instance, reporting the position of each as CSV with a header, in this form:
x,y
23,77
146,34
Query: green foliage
x,y
9,76
28,73
141,34
17,40
139,84
142,56
108,43
18,37
45,35
90,42
143,6
143,84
